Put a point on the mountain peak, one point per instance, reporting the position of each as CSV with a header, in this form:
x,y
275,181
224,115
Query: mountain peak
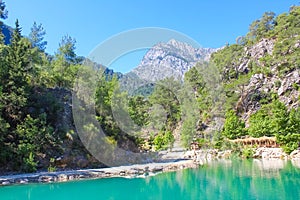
x,y
179,44
171,59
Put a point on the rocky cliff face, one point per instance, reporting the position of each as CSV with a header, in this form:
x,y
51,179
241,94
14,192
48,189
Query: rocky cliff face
x,y
263,84
171,59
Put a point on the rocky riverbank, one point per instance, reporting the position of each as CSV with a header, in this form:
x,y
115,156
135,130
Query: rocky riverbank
x,y
171,161
168,161
203,156
121,171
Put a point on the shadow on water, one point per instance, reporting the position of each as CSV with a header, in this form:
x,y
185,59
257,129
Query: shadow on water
x,y
224,179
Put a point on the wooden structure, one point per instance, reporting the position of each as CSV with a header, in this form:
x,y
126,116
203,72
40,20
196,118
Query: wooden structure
x,y
264,141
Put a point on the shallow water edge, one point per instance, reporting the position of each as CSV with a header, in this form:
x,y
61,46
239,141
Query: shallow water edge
x,y
267,158
131,171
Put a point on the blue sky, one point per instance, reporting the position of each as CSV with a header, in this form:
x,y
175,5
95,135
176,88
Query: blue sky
x,y
90,22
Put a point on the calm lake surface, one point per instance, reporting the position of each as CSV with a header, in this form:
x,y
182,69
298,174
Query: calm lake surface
x,y
231,179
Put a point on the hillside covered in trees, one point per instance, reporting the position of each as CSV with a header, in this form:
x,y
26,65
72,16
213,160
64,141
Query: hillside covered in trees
x,y
250,88
258,87
261,80
34,94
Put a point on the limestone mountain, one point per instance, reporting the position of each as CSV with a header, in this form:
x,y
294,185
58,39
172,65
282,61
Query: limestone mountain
x,y
163,60
173,58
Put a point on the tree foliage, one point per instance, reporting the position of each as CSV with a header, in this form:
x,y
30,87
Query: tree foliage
x,y
166,94
163,140
16,69
227,60
65,66
26,118
36,36
290,138
271,119
233,127
138,109
3,11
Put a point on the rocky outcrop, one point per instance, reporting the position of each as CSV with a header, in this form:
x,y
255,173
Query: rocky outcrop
x,y
261,85
295,158
203,156
263,47
270,153
257,51
171,59
295,154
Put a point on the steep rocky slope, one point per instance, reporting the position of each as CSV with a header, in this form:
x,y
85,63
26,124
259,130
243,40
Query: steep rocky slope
x,y
268,80
261,81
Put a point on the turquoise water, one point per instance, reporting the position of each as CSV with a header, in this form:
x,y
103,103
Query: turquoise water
x,y
219,180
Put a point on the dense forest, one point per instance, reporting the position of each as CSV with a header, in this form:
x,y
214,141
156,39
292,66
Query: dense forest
x,y
31,132
212,104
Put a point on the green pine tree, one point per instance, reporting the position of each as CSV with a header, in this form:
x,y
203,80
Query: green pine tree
x,y
14,78
233,127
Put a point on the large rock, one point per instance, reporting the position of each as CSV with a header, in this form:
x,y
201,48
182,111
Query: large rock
x,y
255,52
265,46
295,154
270,153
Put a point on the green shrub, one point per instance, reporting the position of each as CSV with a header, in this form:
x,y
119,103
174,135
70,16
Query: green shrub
x,y
289,142
247,153
277,83
163,140
295,86
51,167
203,143
30,165
158,142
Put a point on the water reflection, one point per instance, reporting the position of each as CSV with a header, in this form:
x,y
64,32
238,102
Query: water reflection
x,y
235,179
270,164
296,162
224,179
